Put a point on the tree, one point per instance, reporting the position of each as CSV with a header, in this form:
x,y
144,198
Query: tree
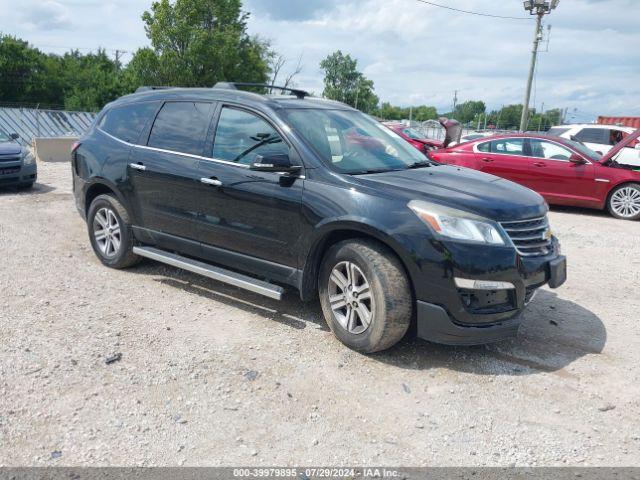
x,y
197,43
343,82
469,111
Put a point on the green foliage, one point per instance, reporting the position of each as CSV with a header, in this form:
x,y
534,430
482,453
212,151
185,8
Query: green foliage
x,y
469,111
197,43
75,81
419,114
344,83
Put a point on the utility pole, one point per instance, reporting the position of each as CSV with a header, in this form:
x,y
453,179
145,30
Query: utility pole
x,y
119,53
540,8
455,103
541,117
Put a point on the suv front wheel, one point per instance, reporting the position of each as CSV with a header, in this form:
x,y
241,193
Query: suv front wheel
x,y
365,295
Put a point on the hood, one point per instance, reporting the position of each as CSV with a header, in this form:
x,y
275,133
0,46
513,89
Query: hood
x,y
469,190
619,146
10,148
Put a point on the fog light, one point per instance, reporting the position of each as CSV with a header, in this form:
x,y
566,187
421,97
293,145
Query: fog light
x,y
483,284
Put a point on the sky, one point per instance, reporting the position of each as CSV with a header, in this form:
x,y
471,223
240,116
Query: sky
x,y
414,52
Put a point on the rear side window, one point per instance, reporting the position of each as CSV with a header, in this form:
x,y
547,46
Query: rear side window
x,y
181,127
593,135
128,122
484,147
242,136
508,146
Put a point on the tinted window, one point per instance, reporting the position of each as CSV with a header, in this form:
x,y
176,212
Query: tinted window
x,y
508,146
548,150
557,131
242,136
127,123
615,136
484,147
181,127
592,135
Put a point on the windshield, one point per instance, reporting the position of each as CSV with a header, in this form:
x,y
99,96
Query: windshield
x,y
413,133
4,137
353,143
584,150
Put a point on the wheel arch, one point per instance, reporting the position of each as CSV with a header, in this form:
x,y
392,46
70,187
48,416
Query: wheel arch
x,y
101,186
336,232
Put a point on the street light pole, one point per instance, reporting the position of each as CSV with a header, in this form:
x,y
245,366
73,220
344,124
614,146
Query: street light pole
x,y
539,8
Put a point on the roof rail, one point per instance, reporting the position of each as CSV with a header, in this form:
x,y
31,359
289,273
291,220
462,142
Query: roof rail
x,y
151,88
234,86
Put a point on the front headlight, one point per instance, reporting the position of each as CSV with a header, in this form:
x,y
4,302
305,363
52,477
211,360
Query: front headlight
x,y
457,224
29,158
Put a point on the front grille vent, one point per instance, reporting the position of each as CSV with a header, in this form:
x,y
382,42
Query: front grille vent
x,y
531,238
9,158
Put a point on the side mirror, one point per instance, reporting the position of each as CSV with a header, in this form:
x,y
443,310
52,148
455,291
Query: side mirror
x,y
14,136
278,163
577,159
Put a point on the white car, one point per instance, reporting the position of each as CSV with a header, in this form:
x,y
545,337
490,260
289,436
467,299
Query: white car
x,y
601,139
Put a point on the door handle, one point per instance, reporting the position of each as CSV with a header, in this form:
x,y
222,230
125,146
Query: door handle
x,y
211,181
487,160
539,164
138,166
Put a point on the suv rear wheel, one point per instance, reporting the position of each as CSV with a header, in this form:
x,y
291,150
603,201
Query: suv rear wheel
x,y
110,232
365,295
624,202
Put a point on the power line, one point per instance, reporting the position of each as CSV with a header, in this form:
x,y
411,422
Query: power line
x,y
473,13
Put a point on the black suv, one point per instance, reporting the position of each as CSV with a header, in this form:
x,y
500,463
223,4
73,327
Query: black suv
x,y
261,191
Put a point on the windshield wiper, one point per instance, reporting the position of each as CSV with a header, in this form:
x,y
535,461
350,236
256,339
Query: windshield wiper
x,y
421,164
376,170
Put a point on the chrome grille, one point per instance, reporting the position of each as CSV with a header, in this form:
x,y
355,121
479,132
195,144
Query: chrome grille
x,y
11,158
531,237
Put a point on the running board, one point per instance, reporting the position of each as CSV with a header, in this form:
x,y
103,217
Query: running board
x,y
216,273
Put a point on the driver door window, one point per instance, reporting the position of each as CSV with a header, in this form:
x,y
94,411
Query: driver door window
x,y
242,136
548,150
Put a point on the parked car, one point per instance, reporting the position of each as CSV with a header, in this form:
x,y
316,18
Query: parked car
x,y
17,164
563,171
601,139
263,192
414,137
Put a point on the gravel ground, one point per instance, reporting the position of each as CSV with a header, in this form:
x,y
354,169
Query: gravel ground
x,y
212,375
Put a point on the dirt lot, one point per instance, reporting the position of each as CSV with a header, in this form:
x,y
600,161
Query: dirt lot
x,y
213,375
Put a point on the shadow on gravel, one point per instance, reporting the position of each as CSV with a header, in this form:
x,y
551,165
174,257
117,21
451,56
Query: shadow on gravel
x,y
291,311
554,333
37,189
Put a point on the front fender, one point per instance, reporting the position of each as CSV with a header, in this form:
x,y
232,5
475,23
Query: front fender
x,y
332,230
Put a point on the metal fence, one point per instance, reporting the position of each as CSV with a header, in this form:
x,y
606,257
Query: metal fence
x,y
29,123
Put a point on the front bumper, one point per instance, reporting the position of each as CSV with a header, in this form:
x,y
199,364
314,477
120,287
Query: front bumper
x,y
452,315
17,174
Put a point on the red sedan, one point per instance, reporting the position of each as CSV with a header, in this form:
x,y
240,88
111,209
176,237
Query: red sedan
x,y
564,172
414,137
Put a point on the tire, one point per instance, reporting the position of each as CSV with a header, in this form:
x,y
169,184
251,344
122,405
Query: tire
x,y
107,211
624,202
26,186
390,302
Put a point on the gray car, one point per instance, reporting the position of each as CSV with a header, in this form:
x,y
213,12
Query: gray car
x,y
17,163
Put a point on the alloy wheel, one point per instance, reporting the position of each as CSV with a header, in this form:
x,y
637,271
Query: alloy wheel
x,y
107,232
626,202
350,297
